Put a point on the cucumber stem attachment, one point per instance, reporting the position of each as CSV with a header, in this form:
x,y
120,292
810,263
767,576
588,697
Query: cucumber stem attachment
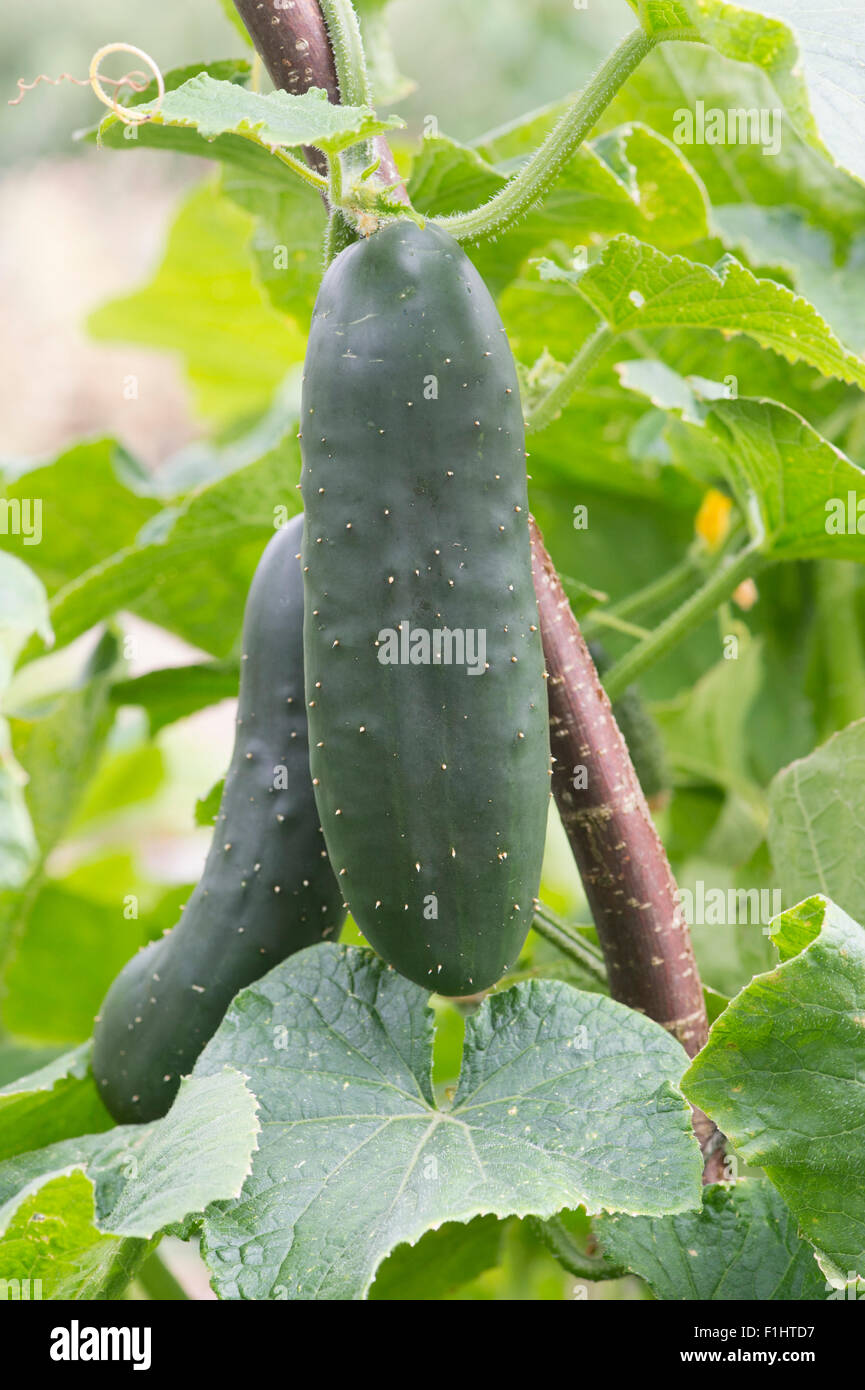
x,y
297,51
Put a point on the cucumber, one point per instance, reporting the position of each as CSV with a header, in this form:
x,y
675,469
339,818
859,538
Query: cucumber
x,y
431,775
267,889
640,733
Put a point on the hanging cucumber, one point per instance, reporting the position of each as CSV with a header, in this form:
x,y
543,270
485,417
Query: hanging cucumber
x,y
267,889
424,669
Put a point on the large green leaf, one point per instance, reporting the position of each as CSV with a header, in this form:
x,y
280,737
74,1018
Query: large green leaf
x,y
818,71
789,482
782,238
629,180
678,75
287,239
705,728
742,1245
214,108
441,1261
57,1102
817,810
63,963
23,611
635,287
130,774
812,55
174,692
58,746
72,517
139,1180
20,1059
207,460
70,1258
782,1074
564,1098
155,574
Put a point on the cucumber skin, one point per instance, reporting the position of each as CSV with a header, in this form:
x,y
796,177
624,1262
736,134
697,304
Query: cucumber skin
x,y
389,479
235,927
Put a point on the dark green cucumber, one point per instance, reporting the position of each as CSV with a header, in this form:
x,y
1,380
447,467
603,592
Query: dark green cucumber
x,y
432,783
267,889
639,731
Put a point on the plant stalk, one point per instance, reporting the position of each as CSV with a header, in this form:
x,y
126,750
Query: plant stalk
x,y
158,1282
346,46
294,47
544,167
652,595
570,942
580,365
626,874
701,604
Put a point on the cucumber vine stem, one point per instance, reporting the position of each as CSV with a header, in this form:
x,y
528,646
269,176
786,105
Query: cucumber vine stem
x,y
701,604
303,171
297,51
158,1281
605,619
577,369
343,31
651,596
570,942
543,168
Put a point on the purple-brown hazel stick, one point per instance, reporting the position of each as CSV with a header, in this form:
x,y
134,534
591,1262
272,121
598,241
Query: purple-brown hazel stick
x,y
625,871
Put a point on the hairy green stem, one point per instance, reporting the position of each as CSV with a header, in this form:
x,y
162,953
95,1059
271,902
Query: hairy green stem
x,y
718,587
343,30
303,171
570,942
338,236
548,161
335,182
652,595
606,618
577,369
